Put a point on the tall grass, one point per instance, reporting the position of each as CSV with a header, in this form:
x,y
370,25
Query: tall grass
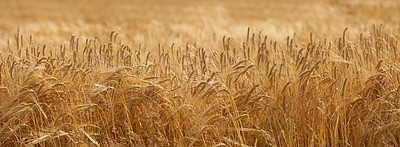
x,y
255,92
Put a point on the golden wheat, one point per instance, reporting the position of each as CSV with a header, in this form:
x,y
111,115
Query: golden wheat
x,y
321,86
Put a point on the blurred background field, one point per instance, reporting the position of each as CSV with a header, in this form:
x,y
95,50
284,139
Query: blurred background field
x,y
180,21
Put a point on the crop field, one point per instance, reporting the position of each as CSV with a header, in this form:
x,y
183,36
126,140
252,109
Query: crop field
x,y
200,73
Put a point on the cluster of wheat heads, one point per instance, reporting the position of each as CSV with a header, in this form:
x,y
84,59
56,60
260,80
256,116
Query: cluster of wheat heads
x,y
260,92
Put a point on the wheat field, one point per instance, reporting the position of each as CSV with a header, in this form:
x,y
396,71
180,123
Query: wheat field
x,y
200,73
